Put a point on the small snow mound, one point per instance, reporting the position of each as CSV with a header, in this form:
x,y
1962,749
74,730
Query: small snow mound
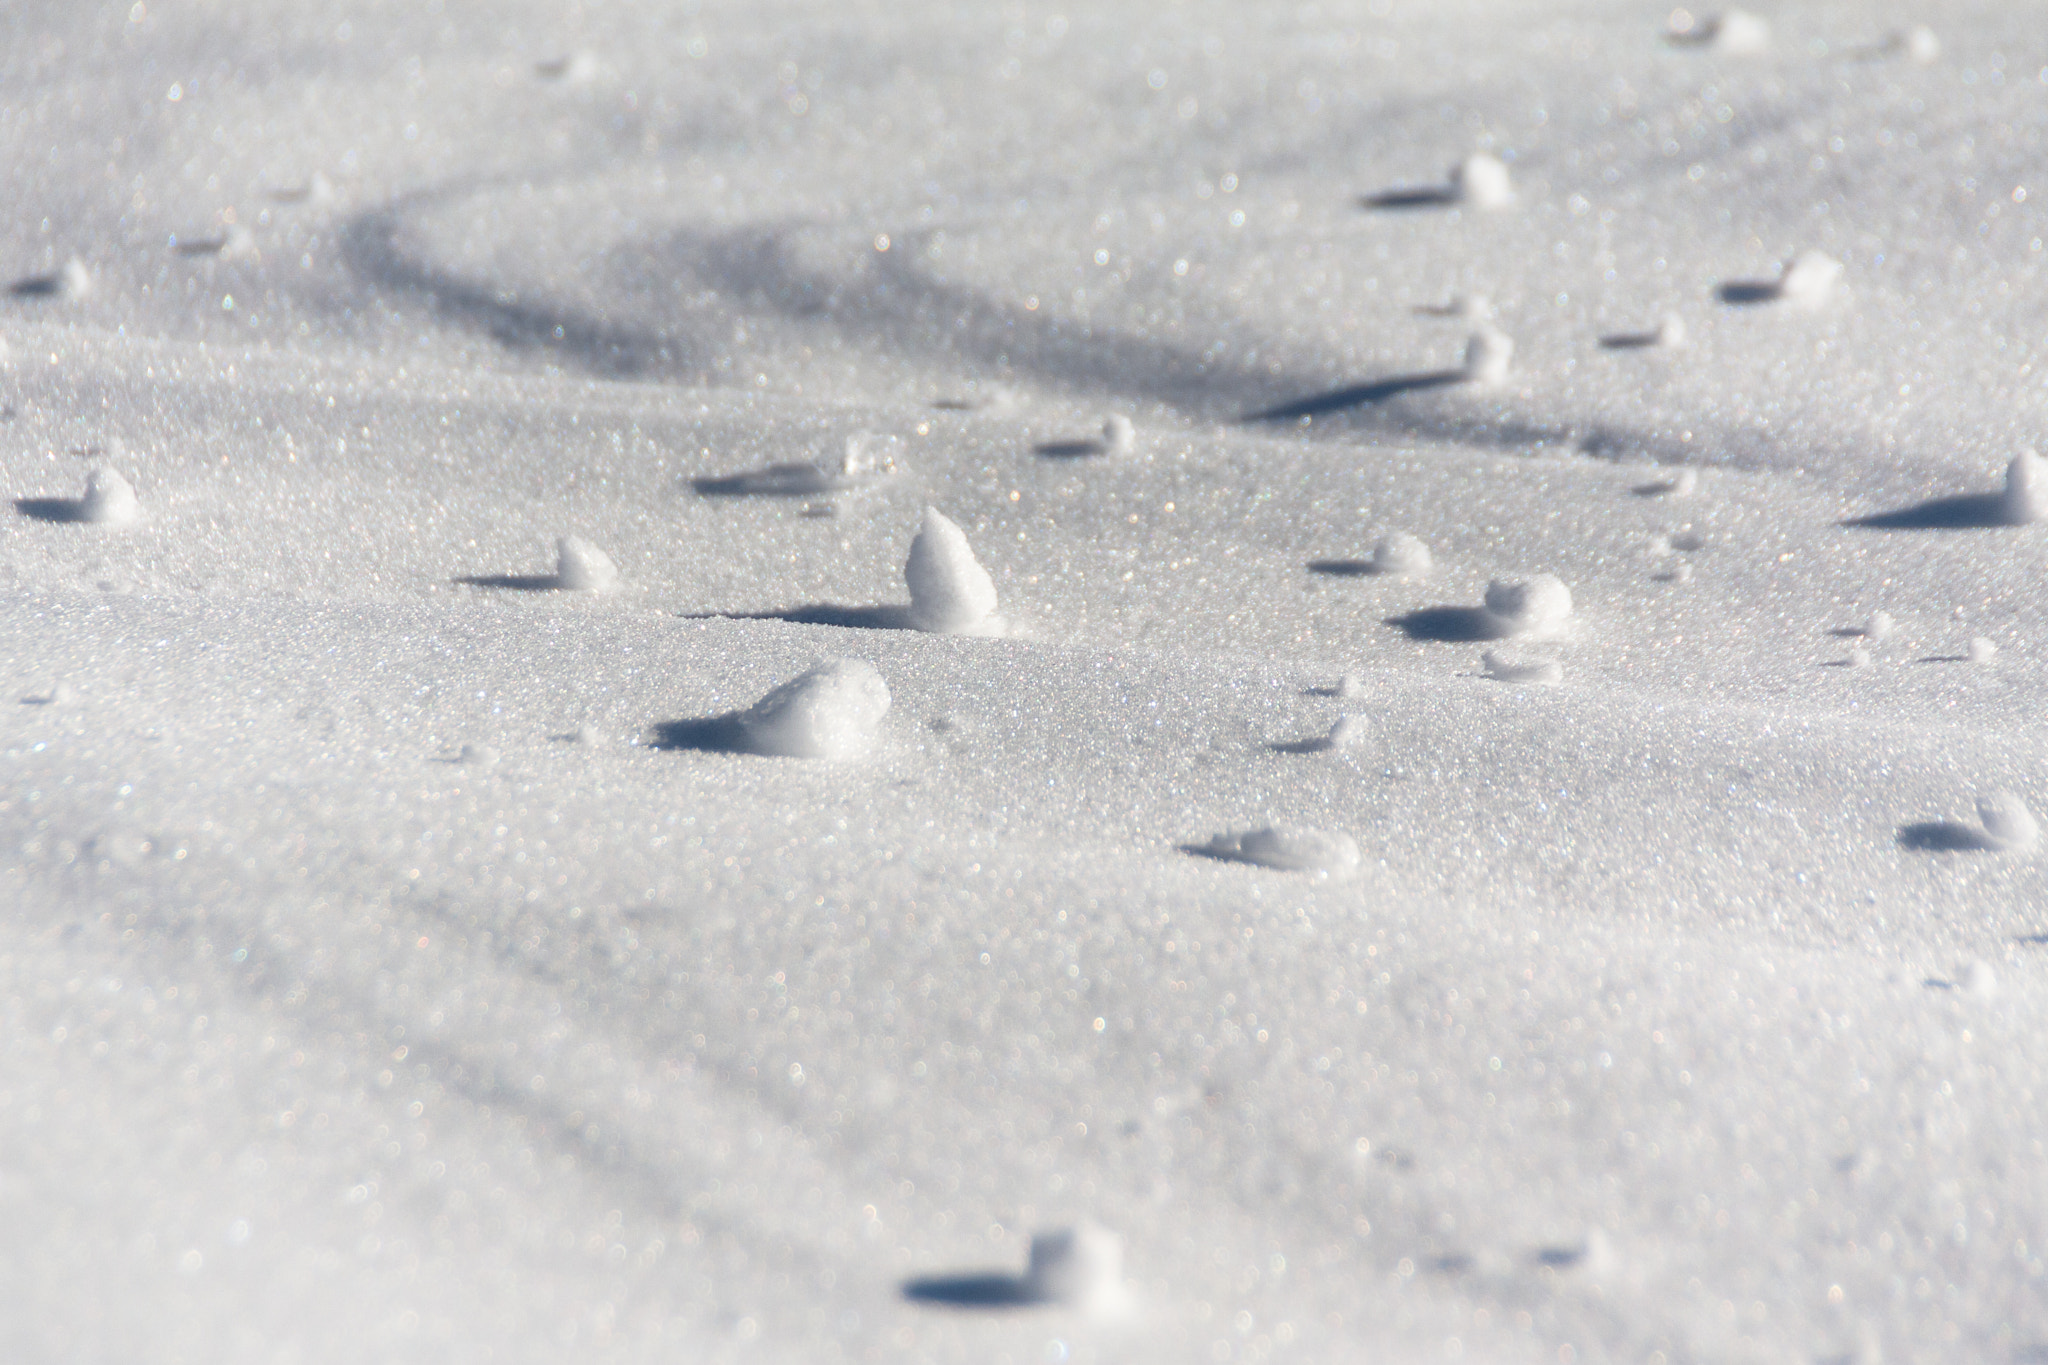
x,y
831,711
2008,824
1685,483
1808,278
1880,626
1734,33
1918,44
73,281
1979,979
573,69
1669,331
1859,657
2026,490
1488,353
1399,553
109,499
1348,733
1350,687
582,567
1482,181
1289,848
1532,606
60,695
1982,651
1505,668
950,593
1119,437
480,756
589,736
1079,1267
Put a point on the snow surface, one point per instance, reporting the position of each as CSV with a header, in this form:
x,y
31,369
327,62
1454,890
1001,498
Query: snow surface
x,y
404,962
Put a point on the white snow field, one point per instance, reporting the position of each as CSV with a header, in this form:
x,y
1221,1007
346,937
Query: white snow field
x,y
406,957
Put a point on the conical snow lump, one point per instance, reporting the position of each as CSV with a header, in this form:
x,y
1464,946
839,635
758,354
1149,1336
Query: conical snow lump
x,y
950,593
582,567
831,711
109,499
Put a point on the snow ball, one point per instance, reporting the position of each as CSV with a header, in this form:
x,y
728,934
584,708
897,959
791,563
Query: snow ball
x,y
479,756
2026,490
1400,553
1859,657
1918,44
589,736
1119,437
60,695
1290,848
1680,573
1979,979
1685,483
1982,651
2008,824
1482,181
1348,733
1487,354
1880,626
582,567
950,593
1808,278
1505,668
831,711
573,69
1669,331
1530,606
1080,1267
1350,687
109,499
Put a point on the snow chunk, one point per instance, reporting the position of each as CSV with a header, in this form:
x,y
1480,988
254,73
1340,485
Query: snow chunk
x,y
1531,606
831,711
1465,307
1401,554
1350,687
1979,979
1290,848
1735,33
479,756
1859,657
1505,668
1808,278
1918,44
1482,181
1982,651
2008,824
582,567
1488,353
109,499
2026,490
1080,1267
950,593
1119,437
1880,626
1669,331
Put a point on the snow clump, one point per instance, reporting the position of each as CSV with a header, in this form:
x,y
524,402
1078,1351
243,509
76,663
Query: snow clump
x,y
2008,824
1531,606
1119,437
1399,553
582,567
1079,1267
1735,33
1482,181
1807,279
950,593
1488,352
831,711
109,499
1982,651
2026,490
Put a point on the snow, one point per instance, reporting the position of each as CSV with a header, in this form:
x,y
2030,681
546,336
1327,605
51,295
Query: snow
x,y
1677,1012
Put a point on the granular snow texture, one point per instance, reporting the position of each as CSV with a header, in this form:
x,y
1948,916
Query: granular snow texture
x,y
402,961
